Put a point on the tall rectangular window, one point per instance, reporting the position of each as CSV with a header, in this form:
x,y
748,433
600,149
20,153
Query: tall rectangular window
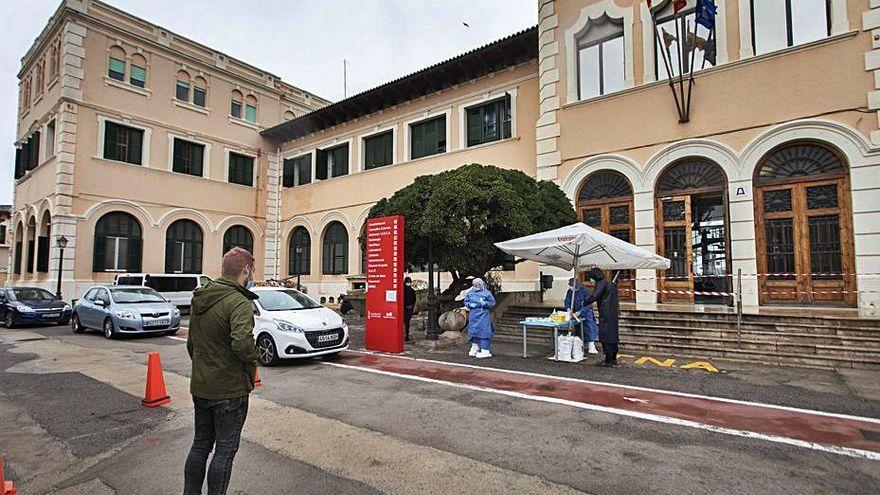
x,y
488,122
670,31
331,162
428,137
123,143
188,157
2,234
50,139
778,24
379,150
182,91
115,253
116,69
241,169
138,76
250,114
235,109
199,96
297,171
601,68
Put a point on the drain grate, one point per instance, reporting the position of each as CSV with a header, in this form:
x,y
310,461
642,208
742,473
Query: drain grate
x,y
870,435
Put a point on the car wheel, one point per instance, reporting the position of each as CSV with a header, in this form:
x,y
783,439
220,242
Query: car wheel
x,y
109,329
266,349
77,326
9,321
332,356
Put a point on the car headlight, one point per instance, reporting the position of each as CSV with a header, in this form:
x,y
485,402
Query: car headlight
x,y
21,308
66,307
344,325
176,312
287,327
126,315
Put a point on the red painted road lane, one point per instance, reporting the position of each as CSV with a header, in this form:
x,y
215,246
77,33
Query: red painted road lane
x,y
798,425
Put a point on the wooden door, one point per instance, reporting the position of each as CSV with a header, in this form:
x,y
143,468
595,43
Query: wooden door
x,y
805,249
674,242
614,218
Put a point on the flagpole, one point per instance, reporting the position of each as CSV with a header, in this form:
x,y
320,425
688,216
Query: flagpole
x,y
682,117
692,47
666,63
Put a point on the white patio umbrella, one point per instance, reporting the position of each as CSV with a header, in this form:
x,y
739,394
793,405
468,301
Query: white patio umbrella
x,y
579,247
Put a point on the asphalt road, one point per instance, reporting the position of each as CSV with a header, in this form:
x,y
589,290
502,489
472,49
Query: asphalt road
x,y
72,423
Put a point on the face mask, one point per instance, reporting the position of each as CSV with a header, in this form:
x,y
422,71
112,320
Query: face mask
x,y
250,280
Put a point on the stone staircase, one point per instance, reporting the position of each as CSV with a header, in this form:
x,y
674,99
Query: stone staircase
x,y
806,341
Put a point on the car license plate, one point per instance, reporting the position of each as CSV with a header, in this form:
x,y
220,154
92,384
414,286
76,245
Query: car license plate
x,y
51,315
161,323
327,338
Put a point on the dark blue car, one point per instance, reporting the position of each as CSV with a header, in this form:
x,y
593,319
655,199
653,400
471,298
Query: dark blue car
x,y
32,305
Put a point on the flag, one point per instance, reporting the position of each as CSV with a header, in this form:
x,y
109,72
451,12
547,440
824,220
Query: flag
x,y
709,51
695,41
705,13
649,4
679,4
668,39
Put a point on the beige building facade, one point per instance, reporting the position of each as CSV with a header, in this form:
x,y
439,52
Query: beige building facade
x,y
775,174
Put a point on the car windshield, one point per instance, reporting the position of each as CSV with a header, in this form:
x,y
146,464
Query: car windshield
x,y
136,295
285,300
32,295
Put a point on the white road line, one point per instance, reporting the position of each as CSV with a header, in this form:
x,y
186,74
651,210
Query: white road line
x,y
863,454
633,387
177,338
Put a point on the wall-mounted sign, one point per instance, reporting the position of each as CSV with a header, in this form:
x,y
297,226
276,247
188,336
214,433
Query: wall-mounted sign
x,y
740,191
385,259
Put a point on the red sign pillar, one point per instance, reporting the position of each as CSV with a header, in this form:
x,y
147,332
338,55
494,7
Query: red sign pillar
x,y
385,259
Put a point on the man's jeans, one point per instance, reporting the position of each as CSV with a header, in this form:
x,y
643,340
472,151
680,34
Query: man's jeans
x,y
218,422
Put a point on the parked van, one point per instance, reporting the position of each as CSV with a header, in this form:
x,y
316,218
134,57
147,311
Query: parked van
x,y
176,287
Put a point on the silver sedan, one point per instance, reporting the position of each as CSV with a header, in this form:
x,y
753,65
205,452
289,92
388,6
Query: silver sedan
x,y
121,309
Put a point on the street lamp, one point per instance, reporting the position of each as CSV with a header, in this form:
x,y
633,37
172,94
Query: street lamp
x,y
61,242
431,333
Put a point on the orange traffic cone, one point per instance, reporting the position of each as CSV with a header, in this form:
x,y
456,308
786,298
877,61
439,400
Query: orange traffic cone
x,y
6,487
257,381
155,394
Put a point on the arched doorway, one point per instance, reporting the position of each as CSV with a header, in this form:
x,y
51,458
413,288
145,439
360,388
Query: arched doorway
x,y
803,226
691,213
605,202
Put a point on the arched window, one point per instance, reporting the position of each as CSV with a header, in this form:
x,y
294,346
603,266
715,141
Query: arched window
x,y
200,92
118,243
183,247
250,109
26,94
116,64
288,115
605,185
335,250
600,58
53,62
299,252
41,67
238,236
795,162
181,91
138,72
236,104
691,174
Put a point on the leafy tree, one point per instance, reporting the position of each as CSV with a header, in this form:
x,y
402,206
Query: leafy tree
x,y
465,211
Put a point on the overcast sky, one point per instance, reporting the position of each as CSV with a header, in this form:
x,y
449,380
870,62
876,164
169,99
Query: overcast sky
x,y
303,42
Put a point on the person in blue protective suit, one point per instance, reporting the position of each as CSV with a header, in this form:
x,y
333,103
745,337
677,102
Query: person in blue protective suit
x,y
479,302
574,302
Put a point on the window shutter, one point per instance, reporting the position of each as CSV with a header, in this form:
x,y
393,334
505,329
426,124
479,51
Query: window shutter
x,y
340,161
198,157
177,165
287,174
135,254
320,164
98,255
169,254
474,126
18,257
43,254
135,140
18,170
196,256
30,257
35,151
110,131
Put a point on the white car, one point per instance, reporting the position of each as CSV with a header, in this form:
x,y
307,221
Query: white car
x,y
289,324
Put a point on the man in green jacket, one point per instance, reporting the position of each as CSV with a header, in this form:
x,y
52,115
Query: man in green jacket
x,y
221,346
